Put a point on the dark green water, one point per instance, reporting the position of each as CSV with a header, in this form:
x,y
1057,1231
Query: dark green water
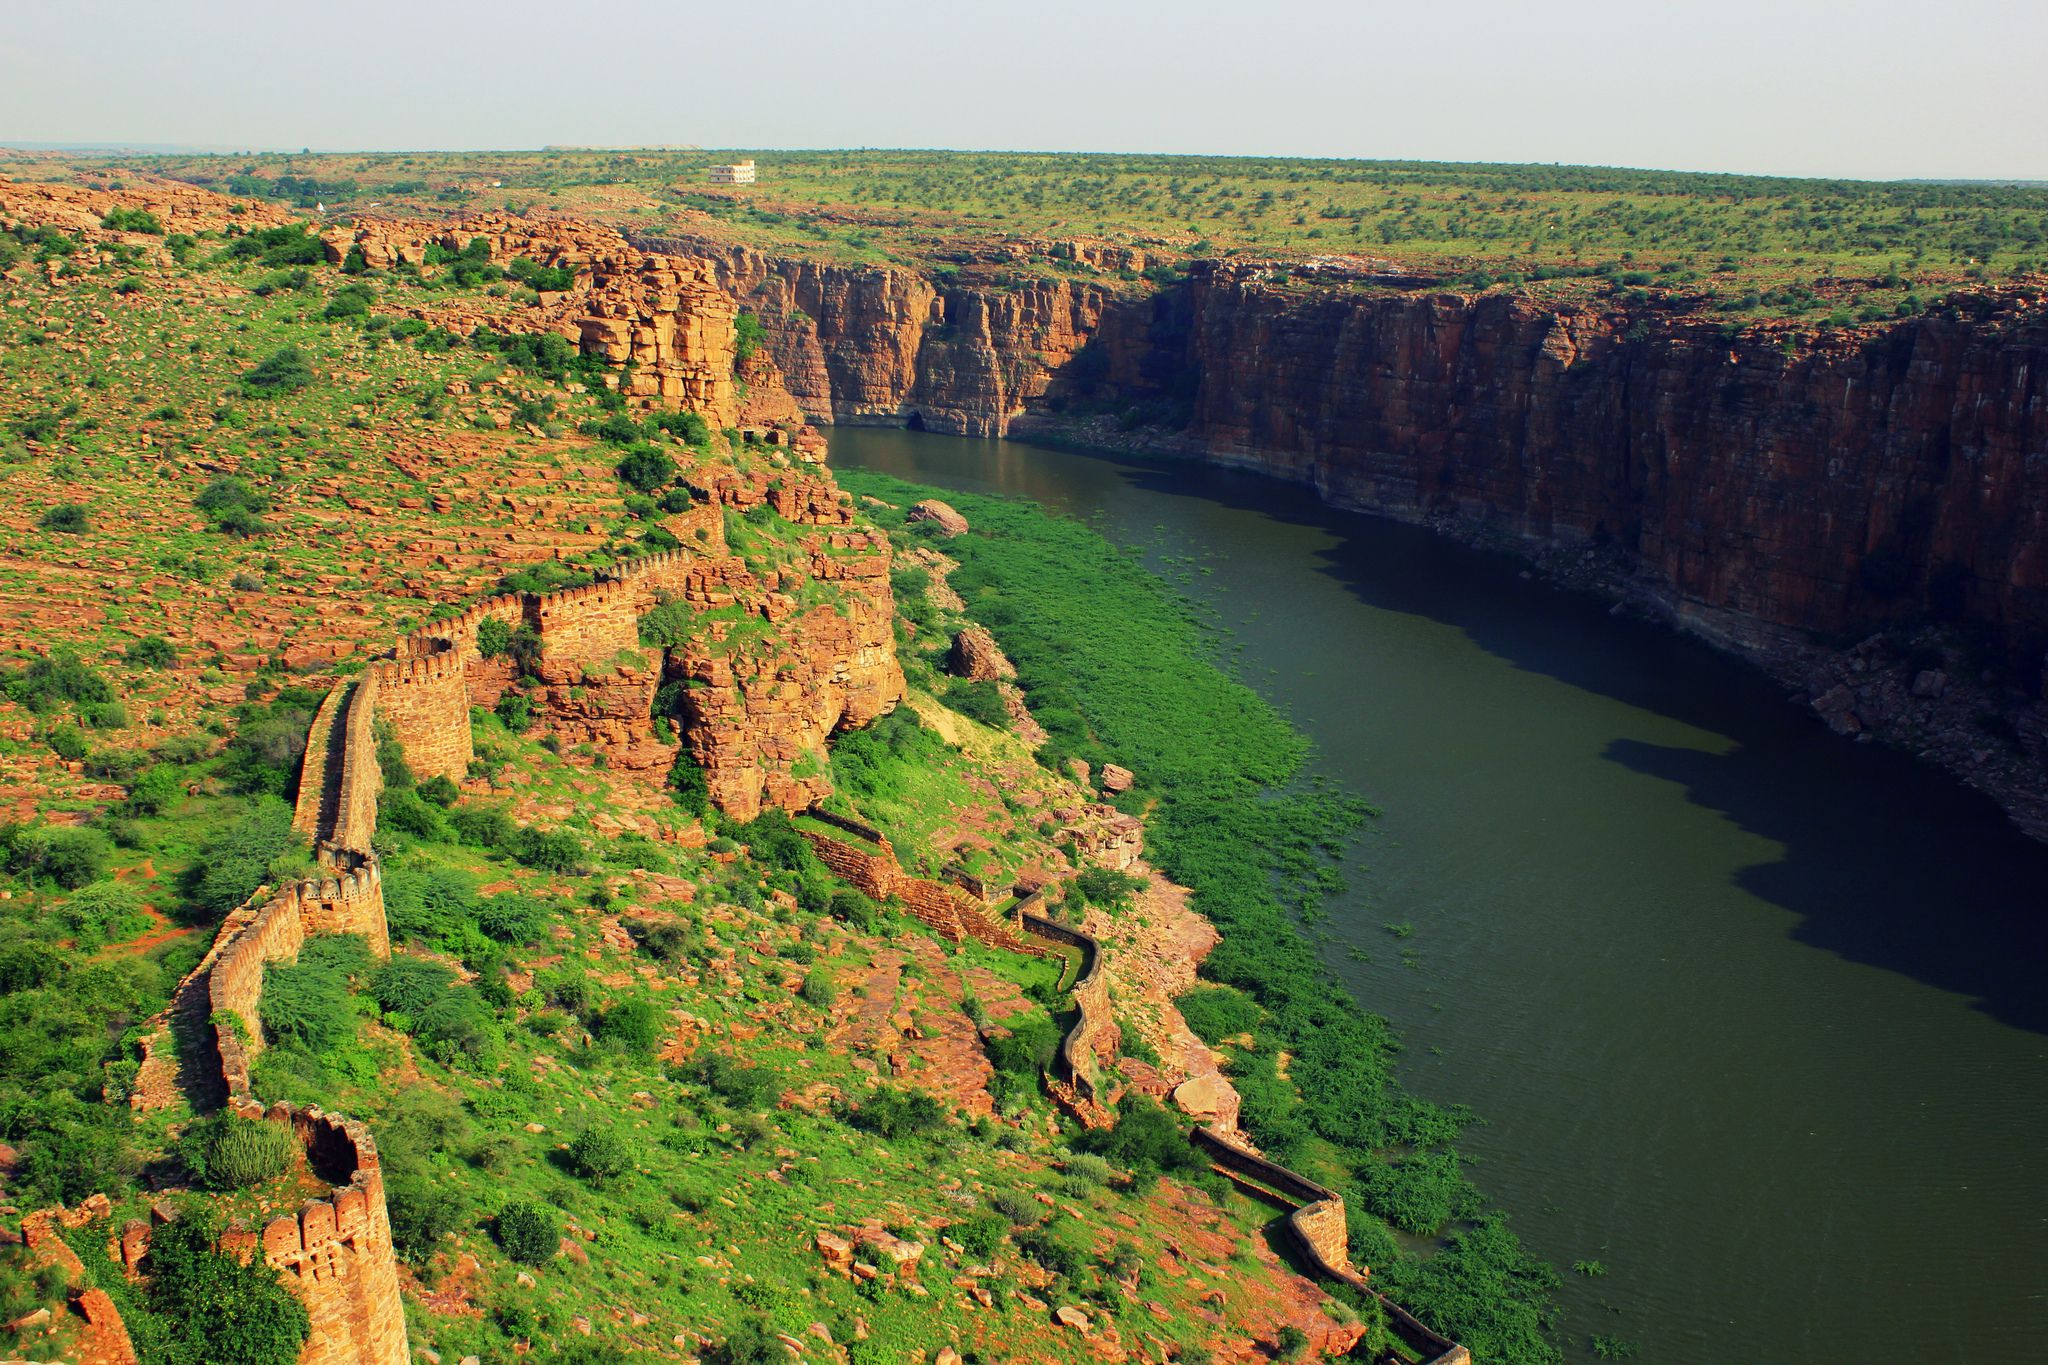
x,y
1757,1017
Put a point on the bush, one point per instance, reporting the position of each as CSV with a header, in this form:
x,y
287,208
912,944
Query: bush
x,y
493,636
1145,1141
285,371
549,850
409,985
891,1114
512,919
228,1152
307,1005
152,651
528,1233
423,1213
750,1343
646,469
236,862
439,791
515,712
66,517
233,506
979,701
743,1087
748,334
854,908
633,1024
818,989
67,855
982,1235
219,1309
1214,1013
48,683
349,301
600,1155
120,218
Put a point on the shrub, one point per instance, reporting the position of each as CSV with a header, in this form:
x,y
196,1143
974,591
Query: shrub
x,y
1146,1141
633,1024
423,1213
284,371
402,810
893,1114
853,908
220,1309
121,218
982,1235
747,333
152,651
307,1005
549,850
493,636
743,1087
1218,1012
515,712
818,989
750,1343
236,862
979,701
66,517
48,683
409,985
67,855
228,1152
528,1233
600,1155
646,469
349,301
511,919
439,791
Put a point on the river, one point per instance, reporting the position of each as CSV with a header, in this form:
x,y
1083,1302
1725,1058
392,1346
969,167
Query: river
x,y
1756,1017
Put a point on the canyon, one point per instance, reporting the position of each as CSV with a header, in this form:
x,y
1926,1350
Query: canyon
x,y
1862,510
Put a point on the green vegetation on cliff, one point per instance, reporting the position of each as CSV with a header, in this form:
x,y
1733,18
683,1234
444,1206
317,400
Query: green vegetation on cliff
x,y
1118,669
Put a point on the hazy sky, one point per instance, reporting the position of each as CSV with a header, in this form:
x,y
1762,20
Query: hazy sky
x,y
1805,87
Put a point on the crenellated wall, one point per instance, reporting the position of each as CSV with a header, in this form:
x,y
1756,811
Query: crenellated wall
x,y
425,699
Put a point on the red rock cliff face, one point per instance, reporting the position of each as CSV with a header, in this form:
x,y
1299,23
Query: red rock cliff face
x,y
887,345
1822,486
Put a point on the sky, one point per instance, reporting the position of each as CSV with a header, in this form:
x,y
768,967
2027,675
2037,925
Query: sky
x,y
1875,89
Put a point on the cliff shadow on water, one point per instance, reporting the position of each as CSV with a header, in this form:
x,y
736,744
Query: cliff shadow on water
x,y
1886,860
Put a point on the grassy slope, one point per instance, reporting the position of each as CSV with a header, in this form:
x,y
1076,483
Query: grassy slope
x,y
711,1227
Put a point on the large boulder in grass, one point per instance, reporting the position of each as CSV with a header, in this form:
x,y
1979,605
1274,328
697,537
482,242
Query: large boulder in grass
x,y
977,657
932,510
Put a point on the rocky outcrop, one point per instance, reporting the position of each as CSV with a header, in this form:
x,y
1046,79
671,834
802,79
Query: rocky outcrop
x,y
658,319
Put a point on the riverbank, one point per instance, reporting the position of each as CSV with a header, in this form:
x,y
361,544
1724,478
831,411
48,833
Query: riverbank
x,y
1117,668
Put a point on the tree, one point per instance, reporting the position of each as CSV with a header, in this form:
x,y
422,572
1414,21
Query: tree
x,y
600,1155
152,651
528,1233
223,1312
646,469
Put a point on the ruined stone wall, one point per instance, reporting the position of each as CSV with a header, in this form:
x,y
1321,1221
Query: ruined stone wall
x,y
426,701
582,628
1094,1037
1318,1225
360,781
877,875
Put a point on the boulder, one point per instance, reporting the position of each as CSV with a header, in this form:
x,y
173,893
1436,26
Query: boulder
x,y
976,656
931,509
1117,779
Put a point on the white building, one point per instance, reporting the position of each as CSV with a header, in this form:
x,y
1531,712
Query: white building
x,y
738,173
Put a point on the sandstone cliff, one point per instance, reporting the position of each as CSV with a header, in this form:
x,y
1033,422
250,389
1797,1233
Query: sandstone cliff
x,y
1780,477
